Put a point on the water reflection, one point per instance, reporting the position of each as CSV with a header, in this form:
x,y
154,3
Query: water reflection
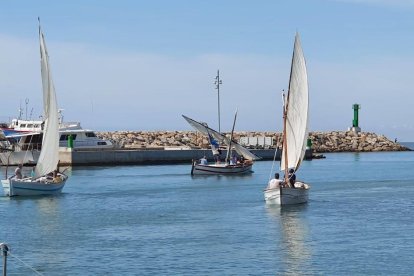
x,y
295,248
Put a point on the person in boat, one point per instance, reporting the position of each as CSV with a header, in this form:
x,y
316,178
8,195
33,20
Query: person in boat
x,y
275,182
32,173
292,177
49,177
56,177
203,161
233,160
18,172
216,155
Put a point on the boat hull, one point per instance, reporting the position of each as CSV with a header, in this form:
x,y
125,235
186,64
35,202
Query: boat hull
x,y
26,187
287,196
221,169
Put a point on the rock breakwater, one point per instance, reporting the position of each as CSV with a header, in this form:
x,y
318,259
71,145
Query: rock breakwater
x,y
334,141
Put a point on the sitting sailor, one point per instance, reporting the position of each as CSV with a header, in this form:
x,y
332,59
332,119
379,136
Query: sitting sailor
x,y
56,177
203,161
275,182
292,177
233,160
18,172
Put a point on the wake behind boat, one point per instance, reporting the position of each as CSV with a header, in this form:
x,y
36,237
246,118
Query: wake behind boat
x,y
232,164
295,133
46,179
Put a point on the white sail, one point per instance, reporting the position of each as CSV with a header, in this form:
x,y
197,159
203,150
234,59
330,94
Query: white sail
x,y
49,155
297,106
221,138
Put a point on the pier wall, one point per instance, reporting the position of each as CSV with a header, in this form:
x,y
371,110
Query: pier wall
x,y
138,147
115,157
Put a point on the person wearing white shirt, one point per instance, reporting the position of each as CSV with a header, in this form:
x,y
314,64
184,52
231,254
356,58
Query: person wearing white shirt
x,y
203,161
275,182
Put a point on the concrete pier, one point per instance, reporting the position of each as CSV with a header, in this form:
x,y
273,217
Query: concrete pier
x,y
72,157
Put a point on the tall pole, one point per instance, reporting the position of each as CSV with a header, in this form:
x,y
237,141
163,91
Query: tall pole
x,y
20,111
217,83
231,139
4,252
27,102
285,148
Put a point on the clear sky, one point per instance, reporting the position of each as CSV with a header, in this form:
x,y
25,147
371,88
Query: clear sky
x,y
139,65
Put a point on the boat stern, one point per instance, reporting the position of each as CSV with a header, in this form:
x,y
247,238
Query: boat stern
x,y
6,186
288,195
272,196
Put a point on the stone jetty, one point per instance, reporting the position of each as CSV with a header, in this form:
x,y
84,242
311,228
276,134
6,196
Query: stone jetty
x,y
322,142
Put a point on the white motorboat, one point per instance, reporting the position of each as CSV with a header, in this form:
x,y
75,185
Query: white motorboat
x,y
42,182
23,143
295,133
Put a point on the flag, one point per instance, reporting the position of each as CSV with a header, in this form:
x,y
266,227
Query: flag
x,y
214,144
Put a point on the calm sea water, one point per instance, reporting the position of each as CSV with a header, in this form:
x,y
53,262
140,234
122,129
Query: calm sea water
x,y
158,220
409,145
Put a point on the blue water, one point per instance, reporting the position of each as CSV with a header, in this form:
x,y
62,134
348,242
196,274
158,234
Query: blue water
x,y
409,145
158,220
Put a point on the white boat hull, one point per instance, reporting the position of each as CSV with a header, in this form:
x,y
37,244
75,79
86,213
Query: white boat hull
x,y
27,187
287,196
222,169
19,157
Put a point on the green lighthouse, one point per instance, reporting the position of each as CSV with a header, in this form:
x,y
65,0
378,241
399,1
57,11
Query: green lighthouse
x,y
355,121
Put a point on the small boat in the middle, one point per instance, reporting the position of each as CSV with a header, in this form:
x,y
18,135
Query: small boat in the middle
x,y
231,165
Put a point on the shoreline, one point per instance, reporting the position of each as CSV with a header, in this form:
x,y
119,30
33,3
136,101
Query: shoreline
x,y
174,147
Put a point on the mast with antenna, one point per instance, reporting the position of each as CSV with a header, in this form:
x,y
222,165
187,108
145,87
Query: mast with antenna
x,y
27,102
218,82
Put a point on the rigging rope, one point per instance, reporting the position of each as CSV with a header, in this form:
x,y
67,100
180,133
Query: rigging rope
x,y
27,265
273,163
25,154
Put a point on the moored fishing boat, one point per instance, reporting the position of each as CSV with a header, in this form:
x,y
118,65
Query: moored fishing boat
x,y
231,165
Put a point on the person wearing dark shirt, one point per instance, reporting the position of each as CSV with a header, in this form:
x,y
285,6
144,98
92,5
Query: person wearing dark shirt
x,y
292,178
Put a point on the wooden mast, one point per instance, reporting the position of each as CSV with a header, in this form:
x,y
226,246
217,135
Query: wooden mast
x,y
286,106
285,142
231,139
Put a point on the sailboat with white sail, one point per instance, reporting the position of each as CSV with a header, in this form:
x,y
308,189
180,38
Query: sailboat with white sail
x,y
46,179
230,166
295,133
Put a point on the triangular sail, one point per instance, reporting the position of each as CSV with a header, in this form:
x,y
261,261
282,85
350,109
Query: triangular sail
x,y
49,155
297,106
213,143
221,138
